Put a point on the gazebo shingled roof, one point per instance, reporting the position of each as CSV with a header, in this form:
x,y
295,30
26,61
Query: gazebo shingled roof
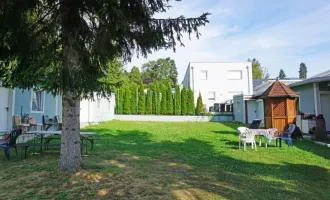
x,y
278,89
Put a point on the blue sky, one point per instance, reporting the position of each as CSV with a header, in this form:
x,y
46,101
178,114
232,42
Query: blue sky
x,y
280,34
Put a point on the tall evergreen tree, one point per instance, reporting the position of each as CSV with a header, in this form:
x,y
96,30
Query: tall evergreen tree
x,y
142,101
282,74
177,100
199,105
184,101
302,71
63,46
157,99
169,99
149,102
121,100
127,101
163,106
191,102
134,98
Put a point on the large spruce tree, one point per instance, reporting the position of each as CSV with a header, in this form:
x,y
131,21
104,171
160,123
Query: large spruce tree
x,y
62,46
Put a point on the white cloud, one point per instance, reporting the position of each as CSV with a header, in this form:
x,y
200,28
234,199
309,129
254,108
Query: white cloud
x,y
284,43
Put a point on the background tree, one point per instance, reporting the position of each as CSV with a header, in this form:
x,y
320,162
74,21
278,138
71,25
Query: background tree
x,y
135,75
134,98
142,100
149,102
302,71
177,100
63,47
163,103
256,69
266,74
169,100
184,101
191,102
163,70
199,105
127,101
281,75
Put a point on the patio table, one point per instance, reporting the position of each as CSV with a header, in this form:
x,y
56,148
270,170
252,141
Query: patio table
x,y
262,133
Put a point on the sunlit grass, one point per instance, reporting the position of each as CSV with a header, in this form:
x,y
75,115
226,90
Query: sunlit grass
x,y
154,160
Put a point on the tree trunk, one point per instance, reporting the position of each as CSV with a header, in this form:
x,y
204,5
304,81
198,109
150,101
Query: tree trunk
x,y
70,159
70,141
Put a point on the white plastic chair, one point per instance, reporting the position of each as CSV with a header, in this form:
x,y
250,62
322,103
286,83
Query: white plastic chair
x,y
270,136
241,131
248,137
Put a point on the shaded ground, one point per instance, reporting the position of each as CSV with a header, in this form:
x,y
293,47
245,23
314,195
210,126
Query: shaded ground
x,y
149,160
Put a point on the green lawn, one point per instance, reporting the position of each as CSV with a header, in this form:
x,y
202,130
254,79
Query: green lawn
x,y
150,160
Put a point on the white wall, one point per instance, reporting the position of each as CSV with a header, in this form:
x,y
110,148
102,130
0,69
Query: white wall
x,y
220,80
260,110
97,111
252,110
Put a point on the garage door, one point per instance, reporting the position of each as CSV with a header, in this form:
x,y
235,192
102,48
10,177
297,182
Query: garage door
x,y
325,106
4,92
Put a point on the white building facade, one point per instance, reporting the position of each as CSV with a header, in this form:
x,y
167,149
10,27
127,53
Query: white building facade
x,y
100,110
218,82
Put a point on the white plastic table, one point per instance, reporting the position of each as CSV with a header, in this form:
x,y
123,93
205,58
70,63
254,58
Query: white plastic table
x,y
261,132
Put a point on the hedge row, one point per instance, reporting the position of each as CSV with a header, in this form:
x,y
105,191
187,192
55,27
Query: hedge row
x,y
159,99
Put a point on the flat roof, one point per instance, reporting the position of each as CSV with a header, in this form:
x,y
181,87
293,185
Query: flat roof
x,y
310,80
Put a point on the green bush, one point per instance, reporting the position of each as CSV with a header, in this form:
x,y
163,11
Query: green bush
x,y
177,105
163,104
199,105
134,98
142,100
120,100
191,102
149,102
184,101
169,100
127,101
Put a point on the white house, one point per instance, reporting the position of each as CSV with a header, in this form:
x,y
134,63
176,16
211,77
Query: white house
x,y
218,82
100,110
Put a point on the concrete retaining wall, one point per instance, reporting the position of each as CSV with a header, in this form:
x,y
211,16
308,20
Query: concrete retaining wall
x,y
169,118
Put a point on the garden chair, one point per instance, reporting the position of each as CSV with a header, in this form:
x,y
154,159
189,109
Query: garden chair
x,y
270,135
240,131
286,135
248,137
10,142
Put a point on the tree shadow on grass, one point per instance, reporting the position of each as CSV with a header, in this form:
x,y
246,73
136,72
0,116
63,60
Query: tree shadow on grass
x,y
192,169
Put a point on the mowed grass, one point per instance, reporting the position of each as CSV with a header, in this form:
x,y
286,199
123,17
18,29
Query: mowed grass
x,y
154,160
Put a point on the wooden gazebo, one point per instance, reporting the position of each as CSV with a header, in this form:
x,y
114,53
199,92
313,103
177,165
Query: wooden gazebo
x,y
279,106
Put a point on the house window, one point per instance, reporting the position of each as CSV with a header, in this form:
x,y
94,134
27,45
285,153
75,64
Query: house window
x,y
109,105
37,101
211,96
234,74
203,75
